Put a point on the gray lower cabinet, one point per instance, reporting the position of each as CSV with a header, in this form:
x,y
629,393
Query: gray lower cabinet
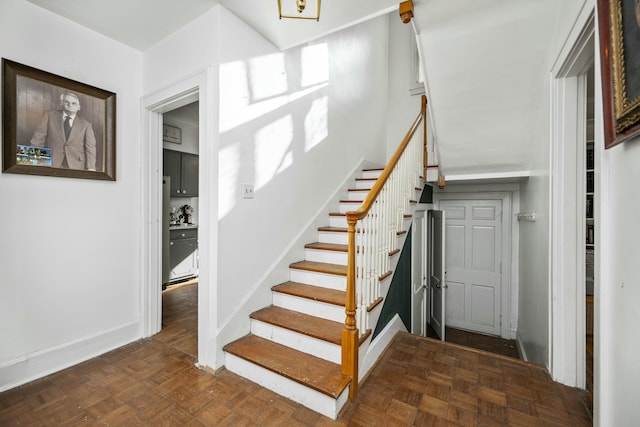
x,y
183,254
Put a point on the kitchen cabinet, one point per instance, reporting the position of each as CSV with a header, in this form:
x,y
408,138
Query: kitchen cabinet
x,y
183,253
183,170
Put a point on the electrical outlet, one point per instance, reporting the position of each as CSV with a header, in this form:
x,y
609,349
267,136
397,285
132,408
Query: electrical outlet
x,y
247,191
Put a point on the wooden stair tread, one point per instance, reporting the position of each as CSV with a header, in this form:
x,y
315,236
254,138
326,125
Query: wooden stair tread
x,y
320,267
316,293
334,229
327,247
316,327
363,190
350,201
318,374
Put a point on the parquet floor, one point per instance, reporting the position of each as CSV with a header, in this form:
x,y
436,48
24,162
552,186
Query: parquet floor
x,y
418,381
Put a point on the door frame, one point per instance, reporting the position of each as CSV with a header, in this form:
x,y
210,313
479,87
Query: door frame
x,y
199,87
567,327
509,257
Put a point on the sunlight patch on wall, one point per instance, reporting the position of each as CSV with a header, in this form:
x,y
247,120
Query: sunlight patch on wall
x,y
273,150
234,93
268,76
316,127
229,168
315,65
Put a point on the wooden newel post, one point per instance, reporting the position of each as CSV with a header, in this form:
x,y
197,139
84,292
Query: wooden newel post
x,y
350,332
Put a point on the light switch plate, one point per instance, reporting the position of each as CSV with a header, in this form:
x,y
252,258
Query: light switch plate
x,y
247,191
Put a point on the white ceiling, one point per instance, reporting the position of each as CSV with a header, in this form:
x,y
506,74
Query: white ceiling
x,y
486,60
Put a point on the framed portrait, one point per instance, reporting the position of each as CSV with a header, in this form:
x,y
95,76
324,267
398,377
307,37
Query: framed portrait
x,y
56,126
619,23
171,134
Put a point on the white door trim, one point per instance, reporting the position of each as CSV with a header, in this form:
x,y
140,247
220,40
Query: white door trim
x,y
197,87
508,276
567,229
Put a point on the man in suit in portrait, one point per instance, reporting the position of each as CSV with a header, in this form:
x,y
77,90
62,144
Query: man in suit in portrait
x,y
70,137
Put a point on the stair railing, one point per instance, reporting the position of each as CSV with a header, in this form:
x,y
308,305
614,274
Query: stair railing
x,y
373,235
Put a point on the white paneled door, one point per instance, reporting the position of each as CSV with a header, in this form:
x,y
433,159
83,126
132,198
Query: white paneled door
x,y
418,275
437,281
473,264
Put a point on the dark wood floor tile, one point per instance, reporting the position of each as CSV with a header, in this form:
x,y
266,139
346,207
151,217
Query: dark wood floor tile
x,y
173,415
426,419
213,413
407,396
84,395
305,415
463,400
236,420
493,396
143,401
519,404
462,416
365,415
491,411
437,391
434,406
520,419
402,412
553,415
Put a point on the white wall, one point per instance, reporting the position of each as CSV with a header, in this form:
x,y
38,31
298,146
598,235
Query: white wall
x,y
403,108
618,312
69,253
294,124
534,302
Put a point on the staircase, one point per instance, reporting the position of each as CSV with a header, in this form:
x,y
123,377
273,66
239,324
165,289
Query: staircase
x,y
294,347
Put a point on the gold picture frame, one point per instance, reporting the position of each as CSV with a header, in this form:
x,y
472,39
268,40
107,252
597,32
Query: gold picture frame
x,y
619,23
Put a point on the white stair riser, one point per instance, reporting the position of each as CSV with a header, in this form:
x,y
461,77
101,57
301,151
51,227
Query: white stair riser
x,y
330,281
338,221
364,184
346,207
339,238
293,390
305,344
308,306
330,257
356,195
371,174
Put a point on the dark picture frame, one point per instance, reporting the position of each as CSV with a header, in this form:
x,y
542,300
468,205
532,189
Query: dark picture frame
x,y
32,120
171,134
619,27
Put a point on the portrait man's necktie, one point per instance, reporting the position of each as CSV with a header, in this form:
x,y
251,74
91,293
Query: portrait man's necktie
x,y
67,127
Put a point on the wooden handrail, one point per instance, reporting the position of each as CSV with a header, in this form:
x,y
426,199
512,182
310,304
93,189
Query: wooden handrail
x,y
373,193
350,335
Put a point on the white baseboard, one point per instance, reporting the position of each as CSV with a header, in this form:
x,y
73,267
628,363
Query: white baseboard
x,y
520,347
45,362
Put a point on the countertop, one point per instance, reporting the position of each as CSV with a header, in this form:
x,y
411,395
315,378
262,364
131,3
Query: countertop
x,y
182,226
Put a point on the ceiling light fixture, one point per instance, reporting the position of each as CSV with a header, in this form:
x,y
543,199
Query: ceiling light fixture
x,y
299,9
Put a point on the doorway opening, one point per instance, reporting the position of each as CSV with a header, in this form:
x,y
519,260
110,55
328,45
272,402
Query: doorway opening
x,y
199,88
180,219
572,102
478,286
